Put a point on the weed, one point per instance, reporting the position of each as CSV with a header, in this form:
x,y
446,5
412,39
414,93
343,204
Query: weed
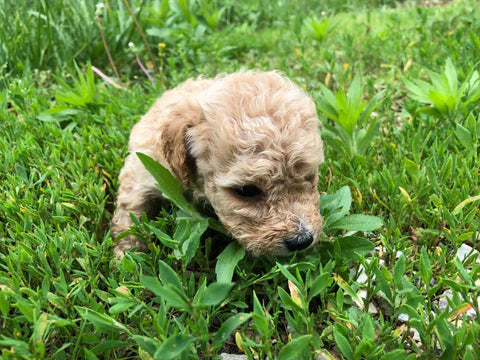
x,y
355,128
445,94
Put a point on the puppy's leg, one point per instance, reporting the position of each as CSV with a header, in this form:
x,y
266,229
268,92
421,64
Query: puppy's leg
x,y
137,194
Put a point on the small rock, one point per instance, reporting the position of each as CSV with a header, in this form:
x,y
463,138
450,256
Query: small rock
x,y
465,251
403,318
415,334
442,304
362,294
324,355
226,356
372,309
471,313
442,301
362,276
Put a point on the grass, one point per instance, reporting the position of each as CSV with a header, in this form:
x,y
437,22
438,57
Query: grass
x,y
64,134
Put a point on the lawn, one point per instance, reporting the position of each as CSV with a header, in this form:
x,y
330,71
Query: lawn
x,y
396,274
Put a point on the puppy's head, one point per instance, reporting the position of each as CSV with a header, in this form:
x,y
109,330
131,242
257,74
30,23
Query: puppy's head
x,y
254,156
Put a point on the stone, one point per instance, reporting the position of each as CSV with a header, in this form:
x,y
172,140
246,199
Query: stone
x,y
226,356
464,251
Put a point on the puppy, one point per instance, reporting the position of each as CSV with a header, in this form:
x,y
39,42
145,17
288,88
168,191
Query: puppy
x,y
247,143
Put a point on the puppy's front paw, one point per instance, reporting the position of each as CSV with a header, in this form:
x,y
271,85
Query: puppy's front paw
x,y
128,243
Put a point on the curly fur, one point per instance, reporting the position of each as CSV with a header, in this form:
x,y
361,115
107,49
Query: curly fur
x,y
247,128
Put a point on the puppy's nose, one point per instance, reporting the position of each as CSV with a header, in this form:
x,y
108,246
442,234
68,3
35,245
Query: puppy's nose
x,y
299,241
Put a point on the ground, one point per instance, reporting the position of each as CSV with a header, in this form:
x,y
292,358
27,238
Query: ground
x,y
397,273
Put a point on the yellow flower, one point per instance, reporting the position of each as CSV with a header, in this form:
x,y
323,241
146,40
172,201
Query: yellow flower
x,y
162,45
298,52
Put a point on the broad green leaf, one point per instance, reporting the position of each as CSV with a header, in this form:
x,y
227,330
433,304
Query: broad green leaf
x,y
349,245
357,222
365,140
215,293
446,338
440,101
296,349
228,260
324,106
147,343
343,345
365,347
335,206
466,276
102,322
355,93
169,276
58,321
109,345
439,83
451,74
89,355
260,320
39,327
182,230
165,239
168,185
334,142
190,246
465,137
383,283
174,297
173,347
473,89
398,354
320,283
315,28
348,289
368,329
286,301
260,324
471,125
288,275
227,328
201,288
412,168
120,307
18,346
152,283
330,99
58,113
372,105
419,90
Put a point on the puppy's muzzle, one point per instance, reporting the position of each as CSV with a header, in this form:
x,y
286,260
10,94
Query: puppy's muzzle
x,y
299,241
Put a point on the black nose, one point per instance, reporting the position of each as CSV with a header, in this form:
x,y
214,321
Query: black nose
x,y
299,241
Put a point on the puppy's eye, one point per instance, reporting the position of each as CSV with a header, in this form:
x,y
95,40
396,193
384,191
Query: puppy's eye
x,y
311,178
247,191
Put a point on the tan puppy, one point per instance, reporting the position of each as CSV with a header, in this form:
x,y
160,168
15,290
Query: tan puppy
x,y
248,143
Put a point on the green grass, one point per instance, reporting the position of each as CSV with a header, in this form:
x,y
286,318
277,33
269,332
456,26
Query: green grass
x,y
64,136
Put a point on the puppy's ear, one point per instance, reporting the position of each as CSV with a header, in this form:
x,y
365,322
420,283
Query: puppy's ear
x,y
176,145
